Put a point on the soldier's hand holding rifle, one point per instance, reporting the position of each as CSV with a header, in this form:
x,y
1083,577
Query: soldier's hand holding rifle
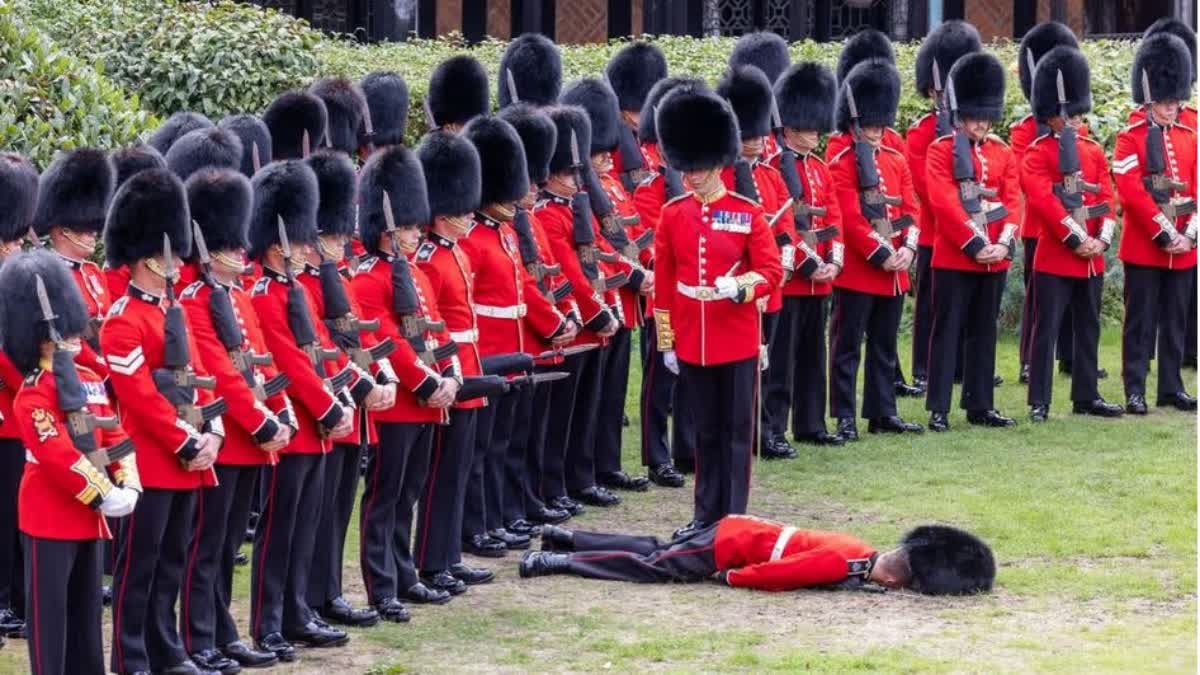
x,y
901,260
381,397
283,436
445,394
1180,245
568,335
210,445
991,254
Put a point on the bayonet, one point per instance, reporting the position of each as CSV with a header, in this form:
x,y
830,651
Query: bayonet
x,y
430,123
305,145
512,85
255,157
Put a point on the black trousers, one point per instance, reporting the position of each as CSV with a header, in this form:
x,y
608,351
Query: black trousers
x,y
723,403
147,579
535,446
562,398
795,380
1156,303
1053,295
396,472
767,426
438,543
1189,342
965,309
483,509
923,313
658,383
683,428
619,557
222,513
341,490
613,388
1065,339
878,317
12,569
63,629
515,484
284,543
580,469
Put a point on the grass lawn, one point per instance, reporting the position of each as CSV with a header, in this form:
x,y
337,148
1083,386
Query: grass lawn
x,y
1093,523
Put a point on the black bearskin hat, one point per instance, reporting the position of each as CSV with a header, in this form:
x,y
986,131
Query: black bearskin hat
x,y
862,46
220,201
1039,40
337,191
346,107
387,102
538,136
253,133
536,66
944,45
135,158
452,171
396,171
765,50
749,93
202,148
948,561
598,100
633,70
25,328
647,130
18,194
697,130
568,119
876,87
458,90
176,126
1168,65
74,192
979,86
805,95
147,206
286,188
288,117
1077,81
1180,30
502,162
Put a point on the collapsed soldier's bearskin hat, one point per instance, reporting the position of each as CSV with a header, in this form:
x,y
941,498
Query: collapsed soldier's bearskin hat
x,y
18,194
944,45
1179,29
503,168
397,172
1077,82
749,92
597,98
1039,40
805,95
254,134
1167,63
697,130
220,201
346,107
74,192
287,189
536,66
948,561
765,50
538,136
862,46
202,148
567,119
176,126
633,70
387,103
288,117
21,313
337,191
128,161
452,171
147,206
647,129
458,91
876,87
979,86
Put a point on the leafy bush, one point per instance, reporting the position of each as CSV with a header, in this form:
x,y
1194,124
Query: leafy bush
x,y
51,101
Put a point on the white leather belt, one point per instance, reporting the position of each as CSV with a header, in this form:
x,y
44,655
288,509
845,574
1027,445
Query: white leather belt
x,y
701,293
493,312
781,542
470,336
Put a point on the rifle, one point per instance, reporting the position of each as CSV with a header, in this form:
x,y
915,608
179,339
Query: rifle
x,y
612,225
225,323
672,182
633,169
81,423
405,303
343,325
176,380
581,217
531,257
567,351
1070,190
970,192
743,180
944,116
495,385
1030,64
871,199
802,212
1158,182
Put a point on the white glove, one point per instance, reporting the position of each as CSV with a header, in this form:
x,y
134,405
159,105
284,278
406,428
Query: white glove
x,y
726,287
764,359
787,256
671,361
119,502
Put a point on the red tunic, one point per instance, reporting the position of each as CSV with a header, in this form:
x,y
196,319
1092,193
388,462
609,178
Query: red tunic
x,y
756,553
840,140
1021,134
1143,219
772,194
98,299
554,214
1187,115
916,145
450,279
10,383
567,306
818,192
625,207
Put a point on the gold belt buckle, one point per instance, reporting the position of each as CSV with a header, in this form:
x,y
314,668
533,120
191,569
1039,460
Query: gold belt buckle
x,y
703,293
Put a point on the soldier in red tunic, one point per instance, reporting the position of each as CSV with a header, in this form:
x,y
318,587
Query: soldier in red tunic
x,y
1154,165
631,73
768,52
715,257
750,552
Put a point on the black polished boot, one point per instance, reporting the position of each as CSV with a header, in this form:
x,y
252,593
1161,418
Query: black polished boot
x,y
444,581
938,422
557,539
472,576
484,546
1097,408
1136,405
569,505
341,612
847,429
666,475
511,540
248,657
989,418
1180,400
390,609
420,594
893,424
543,563
619,480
